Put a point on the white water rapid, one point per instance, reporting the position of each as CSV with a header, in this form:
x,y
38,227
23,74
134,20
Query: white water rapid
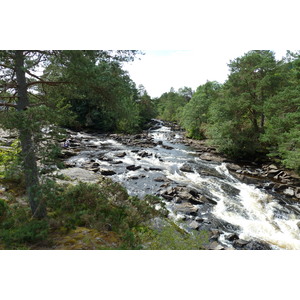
x,y
253,213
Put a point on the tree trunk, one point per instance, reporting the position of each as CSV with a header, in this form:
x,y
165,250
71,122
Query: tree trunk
x,y
38,207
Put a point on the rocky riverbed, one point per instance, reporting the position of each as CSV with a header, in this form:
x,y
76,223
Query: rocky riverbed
x,y
202,189
242,205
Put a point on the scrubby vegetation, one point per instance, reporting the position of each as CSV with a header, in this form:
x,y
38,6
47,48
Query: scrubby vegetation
x,y
89,216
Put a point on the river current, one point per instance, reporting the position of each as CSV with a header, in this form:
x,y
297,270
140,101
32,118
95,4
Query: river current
x,y
252,213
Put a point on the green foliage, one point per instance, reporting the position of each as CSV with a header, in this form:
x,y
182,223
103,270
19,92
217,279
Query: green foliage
x,y
3,209
172,238
104,206
253,114
101,96
238,116
146,106
170,105
10,160
18,230
282,134
195,114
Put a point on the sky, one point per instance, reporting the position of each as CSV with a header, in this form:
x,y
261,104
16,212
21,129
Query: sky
x,y
159,70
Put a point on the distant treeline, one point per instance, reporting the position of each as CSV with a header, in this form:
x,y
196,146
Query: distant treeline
x,y
254,113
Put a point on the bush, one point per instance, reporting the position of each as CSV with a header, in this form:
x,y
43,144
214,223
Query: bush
x,y
18,230
173,238
3,209
105,206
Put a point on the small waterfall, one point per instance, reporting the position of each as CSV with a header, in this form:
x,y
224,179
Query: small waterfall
x,y
259,215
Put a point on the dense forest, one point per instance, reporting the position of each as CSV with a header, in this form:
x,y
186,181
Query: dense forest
x,y
253,115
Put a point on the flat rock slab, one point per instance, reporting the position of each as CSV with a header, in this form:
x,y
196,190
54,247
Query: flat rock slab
x,y
211,157
78,174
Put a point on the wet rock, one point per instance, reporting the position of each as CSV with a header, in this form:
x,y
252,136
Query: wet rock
x,y
269,185
168,191
240,243
186,208
194,225
211,157
133,167
186,168
144,154
248,179
297,192
122,154
95,170
177,200
233,167
231,237
257,245
167,147
208,171
167,197
211,201
230,189
200,200
280,187
155,169
193,192
216,246
185,195
117,162
107,172
104,158
160,179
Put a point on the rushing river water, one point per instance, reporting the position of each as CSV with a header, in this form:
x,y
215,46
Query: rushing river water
x,y
252,214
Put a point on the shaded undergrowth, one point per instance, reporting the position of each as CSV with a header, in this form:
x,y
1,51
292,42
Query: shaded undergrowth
x,y
90,216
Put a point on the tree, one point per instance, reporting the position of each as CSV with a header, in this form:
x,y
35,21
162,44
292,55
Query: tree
x,y
147,107
18,81
238,117
282,133
195,114
170,105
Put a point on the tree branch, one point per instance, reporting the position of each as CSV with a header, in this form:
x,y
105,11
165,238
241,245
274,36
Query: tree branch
x,y
33,75
53,83
8,104
6,66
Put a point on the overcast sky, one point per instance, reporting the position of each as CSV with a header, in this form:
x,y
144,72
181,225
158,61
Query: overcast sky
x,y
159,70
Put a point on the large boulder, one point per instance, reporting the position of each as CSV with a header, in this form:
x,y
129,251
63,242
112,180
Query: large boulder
x,y
79,174
186,168
187,209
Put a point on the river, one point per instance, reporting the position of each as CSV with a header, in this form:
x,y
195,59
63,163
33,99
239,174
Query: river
x,y
200,194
